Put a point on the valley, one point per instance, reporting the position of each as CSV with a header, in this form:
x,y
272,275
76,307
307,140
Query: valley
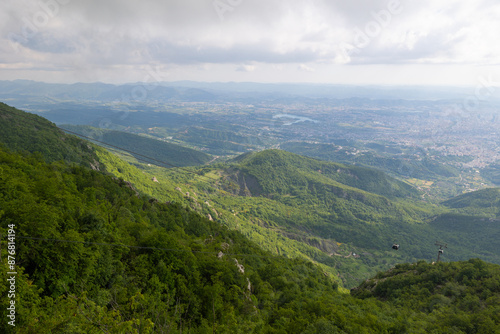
x,y
241,167
337,218
439,145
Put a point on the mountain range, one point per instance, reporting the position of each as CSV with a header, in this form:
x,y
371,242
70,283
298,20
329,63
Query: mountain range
x,y
266,242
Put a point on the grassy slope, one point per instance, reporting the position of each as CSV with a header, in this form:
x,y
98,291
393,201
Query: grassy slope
x,y
486,202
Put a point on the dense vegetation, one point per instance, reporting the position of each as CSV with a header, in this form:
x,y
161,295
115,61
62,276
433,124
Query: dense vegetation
x,y
297,206
286,168
492,173
484,202
457,297
96,254
146,149
94,257
25,132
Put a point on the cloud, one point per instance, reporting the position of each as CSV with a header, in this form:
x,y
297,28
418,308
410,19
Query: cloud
x,y
304,67
124,33
246,68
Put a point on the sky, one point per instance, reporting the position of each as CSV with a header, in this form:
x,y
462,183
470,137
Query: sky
x,y
395,42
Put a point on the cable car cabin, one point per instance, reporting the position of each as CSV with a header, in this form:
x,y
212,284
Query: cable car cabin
x,y
395,246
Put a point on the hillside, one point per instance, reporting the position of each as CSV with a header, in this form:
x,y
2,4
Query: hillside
x,y
287,169
301,207
295,206
345,218
96,254
28,133
481,202
94,257
459,297
382,157
157,152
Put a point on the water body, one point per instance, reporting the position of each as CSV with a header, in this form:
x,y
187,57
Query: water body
x,y
295,119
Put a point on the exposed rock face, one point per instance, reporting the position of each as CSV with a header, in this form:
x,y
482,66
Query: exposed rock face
x,y
245,184
95,165
241,269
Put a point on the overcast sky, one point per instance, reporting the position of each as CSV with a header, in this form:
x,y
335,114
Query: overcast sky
x,y
452,42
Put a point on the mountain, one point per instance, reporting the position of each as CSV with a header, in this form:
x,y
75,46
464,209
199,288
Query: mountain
x,y
206,90
287,169
34,90
143,148
25,132
93,254
343,217
492,173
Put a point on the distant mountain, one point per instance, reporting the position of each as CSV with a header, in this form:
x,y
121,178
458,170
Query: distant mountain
x,y
131,92
242,91
146,149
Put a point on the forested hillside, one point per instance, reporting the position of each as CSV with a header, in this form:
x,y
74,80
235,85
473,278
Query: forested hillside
x,y
457,297
286,171
484,202
24,132
95,253
402,166
344,217
143,148
94,257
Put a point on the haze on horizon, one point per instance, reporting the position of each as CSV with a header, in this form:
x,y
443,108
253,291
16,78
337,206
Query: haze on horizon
x,y
446,42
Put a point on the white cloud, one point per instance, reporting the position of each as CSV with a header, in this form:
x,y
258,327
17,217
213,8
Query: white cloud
x,y
304,67
102,36
246,68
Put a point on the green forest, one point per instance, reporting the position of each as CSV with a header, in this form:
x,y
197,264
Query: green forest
x,y
148,149
101,248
